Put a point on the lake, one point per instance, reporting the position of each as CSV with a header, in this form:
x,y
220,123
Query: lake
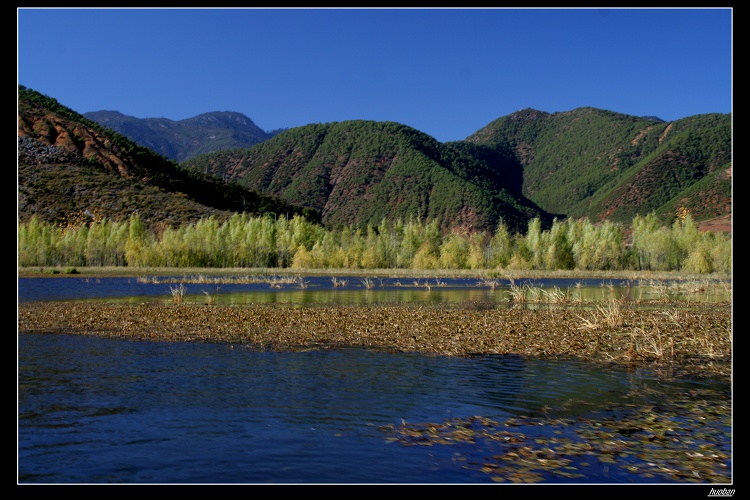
x,y
103,411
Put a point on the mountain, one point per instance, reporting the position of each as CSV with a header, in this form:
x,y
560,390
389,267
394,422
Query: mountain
x,y
586,162
359,172
582,163
604,165
182,139
71,168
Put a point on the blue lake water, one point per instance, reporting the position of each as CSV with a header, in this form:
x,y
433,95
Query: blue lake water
x,y
94,410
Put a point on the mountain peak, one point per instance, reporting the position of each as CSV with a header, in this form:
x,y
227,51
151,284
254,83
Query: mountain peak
x,y
180,140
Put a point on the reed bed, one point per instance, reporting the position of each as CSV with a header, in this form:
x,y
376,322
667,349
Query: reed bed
x,y
647,290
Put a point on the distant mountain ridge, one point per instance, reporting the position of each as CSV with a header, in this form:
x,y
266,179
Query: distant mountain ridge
x,y
183,139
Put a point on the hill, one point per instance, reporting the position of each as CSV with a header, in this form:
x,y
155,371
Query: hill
x,y
603,165
582,163
70,168
359,172
182,139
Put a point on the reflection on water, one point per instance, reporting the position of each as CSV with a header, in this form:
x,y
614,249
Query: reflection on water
x,y
322,290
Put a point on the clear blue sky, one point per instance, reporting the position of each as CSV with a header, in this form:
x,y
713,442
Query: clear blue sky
x,y
446,72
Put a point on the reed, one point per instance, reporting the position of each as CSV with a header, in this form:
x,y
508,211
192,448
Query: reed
x,y
579,295
493,283
650,343
210,298
277,281
178,293
535,294
338,282
556,296
518,293
609,315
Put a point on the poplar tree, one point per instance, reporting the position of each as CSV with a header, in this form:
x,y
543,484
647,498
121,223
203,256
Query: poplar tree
x,y
136,243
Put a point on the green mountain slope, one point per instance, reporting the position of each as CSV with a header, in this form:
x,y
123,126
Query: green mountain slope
x,y
604,165
359,172
582,163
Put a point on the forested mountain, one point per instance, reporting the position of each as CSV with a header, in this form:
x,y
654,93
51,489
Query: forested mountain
x,y
603,165
359,172
182,139
71,168
581,163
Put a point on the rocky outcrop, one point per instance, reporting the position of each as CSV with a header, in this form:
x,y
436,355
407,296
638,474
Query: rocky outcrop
x,y
78,140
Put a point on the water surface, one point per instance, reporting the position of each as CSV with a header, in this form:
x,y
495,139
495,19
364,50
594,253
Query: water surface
x,y
93,410
111,411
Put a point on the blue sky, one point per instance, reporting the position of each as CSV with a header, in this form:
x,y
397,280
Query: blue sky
x,y
446,72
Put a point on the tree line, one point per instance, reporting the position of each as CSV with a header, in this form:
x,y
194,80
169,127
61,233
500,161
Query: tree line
x,y
272,241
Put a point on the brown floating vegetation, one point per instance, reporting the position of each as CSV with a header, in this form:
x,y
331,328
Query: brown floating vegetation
x,y
684,337
662,441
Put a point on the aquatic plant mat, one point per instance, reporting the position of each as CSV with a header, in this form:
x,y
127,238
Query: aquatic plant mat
x,y
685,439
687,338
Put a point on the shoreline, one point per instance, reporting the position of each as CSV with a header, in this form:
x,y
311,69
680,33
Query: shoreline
x,y
676,339
519,274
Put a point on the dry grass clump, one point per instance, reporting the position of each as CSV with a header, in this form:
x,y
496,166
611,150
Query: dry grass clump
x,y
178,293
609,315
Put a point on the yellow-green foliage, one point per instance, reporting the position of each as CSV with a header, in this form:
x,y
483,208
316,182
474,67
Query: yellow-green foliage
x,y
681,247
265,241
